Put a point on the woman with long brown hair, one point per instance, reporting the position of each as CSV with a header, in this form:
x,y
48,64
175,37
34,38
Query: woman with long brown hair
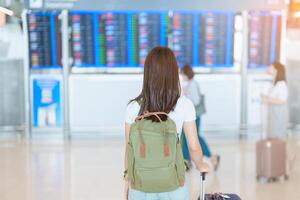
x,y
161,93
276,102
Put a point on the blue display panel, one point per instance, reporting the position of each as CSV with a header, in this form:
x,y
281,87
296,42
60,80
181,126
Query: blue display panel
x,y
46,100
182,37
116,38
82,39
100,39
264,39
123,39
215,39
152,28
44,40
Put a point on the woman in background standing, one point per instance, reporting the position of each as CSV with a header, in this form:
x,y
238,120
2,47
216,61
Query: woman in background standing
x,y
275,107
191,90
276,102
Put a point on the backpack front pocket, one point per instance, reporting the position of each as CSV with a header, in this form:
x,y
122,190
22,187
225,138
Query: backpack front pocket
x,y
161,179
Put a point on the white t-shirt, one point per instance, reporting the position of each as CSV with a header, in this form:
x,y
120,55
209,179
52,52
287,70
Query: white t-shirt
x,y
279,91
184,112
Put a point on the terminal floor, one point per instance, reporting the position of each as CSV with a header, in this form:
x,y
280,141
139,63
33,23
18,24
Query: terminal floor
x,y
91,169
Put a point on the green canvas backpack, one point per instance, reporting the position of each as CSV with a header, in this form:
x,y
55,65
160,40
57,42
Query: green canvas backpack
x,y
155,159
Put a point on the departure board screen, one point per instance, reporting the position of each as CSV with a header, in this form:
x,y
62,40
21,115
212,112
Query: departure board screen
x,y
44,40
123,39
215,39
182,37
116,38
264,39
82,39
100,39
152,29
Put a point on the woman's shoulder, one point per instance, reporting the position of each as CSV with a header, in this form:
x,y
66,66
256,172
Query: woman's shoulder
x,y
193,80
132,111
133,106
184,102
194,84
281,84
185,109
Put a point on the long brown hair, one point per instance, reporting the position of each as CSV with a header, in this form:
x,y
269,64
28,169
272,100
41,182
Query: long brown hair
x,y
161,87
280,75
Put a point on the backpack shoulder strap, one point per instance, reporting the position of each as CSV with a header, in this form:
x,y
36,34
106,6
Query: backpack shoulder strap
x,y
148,114
143,146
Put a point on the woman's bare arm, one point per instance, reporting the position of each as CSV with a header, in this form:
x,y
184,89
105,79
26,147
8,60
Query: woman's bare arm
x,y
275,101
194,147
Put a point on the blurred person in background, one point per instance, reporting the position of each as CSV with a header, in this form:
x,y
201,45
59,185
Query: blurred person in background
x,y
275,108
275,103
191,90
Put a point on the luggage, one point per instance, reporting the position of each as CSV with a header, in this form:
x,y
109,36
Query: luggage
x,y
215,196
271,158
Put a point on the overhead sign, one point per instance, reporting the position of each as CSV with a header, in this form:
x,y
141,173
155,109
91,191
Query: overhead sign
x,y
155,5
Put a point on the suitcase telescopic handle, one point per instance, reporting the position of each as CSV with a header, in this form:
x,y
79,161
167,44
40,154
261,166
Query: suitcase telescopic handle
x,y
203,176
202,186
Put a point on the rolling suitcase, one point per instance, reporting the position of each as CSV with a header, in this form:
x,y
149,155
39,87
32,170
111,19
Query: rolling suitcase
x,y
271,158
215,196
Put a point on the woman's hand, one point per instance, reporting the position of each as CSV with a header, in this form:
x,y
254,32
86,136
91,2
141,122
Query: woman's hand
x,y
269,100
126,189
203,167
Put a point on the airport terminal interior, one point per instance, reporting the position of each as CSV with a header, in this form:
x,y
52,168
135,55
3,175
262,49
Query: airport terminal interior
x,y
69,68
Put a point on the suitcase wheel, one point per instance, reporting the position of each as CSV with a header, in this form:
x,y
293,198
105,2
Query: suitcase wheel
x,y
257,178
271,180
286,177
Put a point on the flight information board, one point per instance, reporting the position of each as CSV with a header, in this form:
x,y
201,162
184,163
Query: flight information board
x,y
215,39
44,40
182,37
116,38
152,30
123,39
100,39
82,39
264,39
